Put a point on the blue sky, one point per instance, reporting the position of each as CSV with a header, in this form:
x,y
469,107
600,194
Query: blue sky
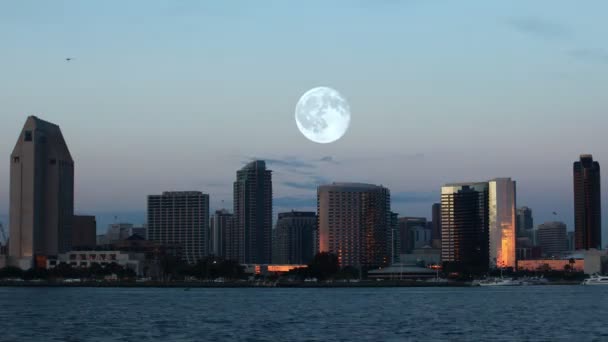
x,y
166,95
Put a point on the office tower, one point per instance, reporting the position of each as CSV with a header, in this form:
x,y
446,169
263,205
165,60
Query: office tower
x,y
525,222
142,231
571,244
221,223
84,231
436,221
413,233
552,238
587,203
41,194
394,238
294,237
502,217
464,227
180,219
251,236
354,220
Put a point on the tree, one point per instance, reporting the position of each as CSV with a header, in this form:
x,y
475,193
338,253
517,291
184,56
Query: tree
x,y
324,265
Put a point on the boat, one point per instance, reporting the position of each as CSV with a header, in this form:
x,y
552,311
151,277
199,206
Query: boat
x,y
497,282
596,280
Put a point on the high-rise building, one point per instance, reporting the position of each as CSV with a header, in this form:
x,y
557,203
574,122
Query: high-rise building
x,y
251,234
180,219
465,226
221,223
41,194
354,220
410,229
394,238
552,238
294,234
502,218
436,221
587,203
84,231
525,222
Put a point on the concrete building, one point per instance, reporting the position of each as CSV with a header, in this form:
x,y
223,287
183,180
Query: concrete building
x,y
140,230
182,219
465,226
294,234
221,223
571,241
394,238
354,223
552,238
84,259
117,232
84,231
502,218
251,233
587,203
424,256
41,195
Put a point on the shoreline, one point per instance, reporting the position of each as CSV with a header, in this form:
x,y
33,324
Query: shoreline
x,y
188,285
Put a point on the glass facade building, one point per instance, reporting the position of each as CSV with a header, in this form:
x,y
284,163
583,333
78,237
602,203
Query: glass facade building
x,y
587,203
502,217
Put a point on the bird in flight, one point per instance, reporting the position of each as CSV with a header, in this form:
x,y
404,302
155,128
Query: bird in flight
x,y
68,59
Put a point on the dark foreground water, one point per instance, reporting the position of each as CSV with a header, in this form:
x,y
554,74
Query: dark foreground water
x,y
533,313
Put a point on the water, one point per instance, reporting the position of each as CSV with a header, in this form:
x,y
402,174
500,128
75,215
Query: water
x,y
529,313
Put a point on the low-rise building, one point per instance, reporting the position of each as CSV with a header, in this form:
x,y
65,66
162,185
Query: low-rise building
x,y
544,265
130,260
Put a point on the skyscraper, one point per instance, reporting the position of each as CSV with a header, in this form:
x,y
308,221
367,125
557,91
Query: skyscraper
x,y
413,233
502,194
436,221
84,231
41,194
221,223
552,238
525,222
180,219
465,226
251,236
587,203
354,220
294,234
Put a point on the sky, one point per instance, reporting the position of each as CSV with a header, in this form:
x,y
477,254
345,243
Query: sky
x,y
167,95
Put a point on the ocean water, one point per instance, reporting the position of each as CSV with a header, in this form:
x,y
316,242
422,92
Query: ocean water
x,y
528,313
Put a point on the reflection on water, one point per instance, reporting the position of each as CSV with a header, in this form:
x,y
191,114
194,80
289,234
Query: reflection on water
x,y
534,313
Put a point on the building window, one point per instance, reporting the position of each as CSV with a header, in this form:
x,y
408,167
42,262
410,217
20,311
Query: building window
x,y
53,161
15,159
28,136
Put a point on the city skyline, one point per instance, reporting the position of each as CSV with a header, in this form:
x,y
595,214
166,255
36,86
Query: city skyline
x,y
525,76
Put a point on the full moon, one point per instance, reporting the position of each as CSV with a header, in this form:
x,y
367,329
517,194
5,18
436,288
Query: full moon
x,y
322,115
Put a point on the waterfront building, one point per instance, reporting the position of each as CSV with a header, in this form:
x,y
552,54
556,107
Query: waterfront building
x,y
464,227
250,240
502,218
117,232
86,258
84,231
436,221
221,223
413,233
294,234
525,222
354,223
587,203
182,219
552,238
41,195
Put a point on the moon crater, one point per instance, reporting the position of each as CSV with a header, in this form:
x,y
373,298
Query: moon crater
x,y
322,115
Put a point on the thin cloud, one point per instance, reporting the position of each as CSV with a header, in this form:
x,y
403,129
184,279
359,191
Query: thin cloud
x,y
590,55
537,27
